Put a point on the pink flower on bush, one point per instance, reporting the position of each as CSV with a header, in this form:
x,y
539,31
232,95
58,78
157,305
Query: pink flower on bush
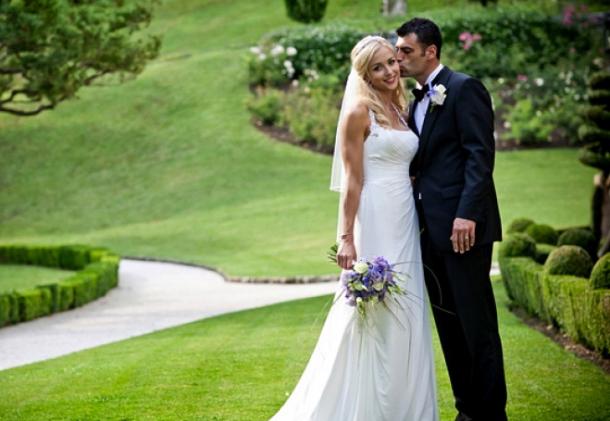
x,y
468,39
522,78
568,14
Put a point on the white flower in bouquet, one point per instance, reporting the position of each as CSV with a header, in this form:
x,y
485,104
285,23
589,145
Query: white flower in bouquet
x,y
361,267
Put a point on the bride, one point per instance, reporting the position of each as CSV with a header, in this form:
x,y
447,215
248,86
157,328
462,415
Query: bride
x,y
377,368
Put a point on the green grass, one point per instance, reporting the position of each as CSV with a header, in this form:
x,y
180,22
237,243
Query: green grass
x,y
239,367
19,276
168,165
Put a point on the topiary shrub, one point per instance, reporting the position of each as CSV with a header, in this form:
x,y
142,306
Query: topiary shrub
x,y
518,244
600,275
569,260
542,233
306,11
579,237
543,251
519,225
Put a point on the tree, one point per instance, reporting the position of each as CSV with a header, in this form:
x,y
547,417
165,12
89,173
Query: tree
x,y
49,49
595,135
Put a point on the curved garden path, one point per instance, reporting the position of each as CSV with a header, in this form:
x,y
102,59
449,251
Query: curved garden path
x,y
150,296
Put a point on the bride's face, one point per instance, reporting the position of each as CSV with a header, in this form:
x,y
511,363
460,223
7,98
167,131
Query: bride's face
x,y
383,70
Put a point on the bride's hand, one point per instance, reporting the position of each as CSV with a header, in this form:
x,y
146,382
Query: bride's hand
x,y
346,255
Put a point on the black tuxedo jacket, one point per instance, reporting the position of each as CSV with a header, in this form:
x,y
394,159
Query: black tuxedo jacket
x,y
454,163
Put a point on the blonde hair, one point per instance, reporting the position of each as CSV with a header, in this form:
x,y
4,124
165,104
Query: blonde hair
x,y
361,57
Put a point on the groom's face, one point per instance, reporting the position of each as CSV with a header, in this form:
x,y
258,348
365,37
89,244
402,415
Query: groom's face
x,y
411,56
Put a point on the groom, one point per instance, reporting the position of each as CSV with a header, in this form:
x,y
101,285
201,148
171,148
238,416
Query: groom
x,y
458,212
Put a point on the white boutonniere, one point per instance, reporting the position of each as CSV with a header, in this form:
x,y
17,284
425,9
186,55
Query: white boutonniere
x,y
438,94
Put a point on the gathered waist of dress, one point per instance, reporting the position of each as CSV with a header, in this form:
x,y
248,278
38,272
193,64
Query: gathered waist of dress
x,y
388,180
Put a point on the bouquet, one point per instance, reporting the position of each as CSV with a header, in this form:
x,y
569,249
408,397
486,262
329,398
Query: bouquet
x,y
368,283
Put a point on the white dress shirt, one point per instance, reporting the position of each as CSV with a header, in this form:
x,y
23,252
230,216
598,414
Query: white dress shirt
x,y
422,106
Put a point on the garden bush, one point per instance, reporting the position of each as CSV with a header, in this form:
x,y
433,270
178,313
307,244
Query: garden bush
x,y
518,244
542,233
502,46
292,53
306,11
600,275
529,126
519,225
97,274
266,106
569,260
568,302
311,115
579,237
543,251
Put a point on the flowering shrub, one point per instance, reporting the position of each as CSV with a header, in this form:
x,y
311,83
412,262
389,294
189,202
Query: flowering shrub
x,y
534,65
289,54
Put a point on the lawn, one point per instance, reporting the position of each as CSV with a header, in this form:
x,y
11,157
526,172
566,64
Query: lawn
x,y
168,165
240,366
19,276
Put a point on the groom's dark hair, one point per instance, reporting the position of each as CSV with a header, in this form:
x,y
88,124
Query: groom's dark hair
x,y
427,33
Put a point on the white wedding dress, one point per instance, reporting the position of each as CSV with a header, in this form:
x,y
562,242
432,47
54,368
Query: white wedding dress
x,y
380,368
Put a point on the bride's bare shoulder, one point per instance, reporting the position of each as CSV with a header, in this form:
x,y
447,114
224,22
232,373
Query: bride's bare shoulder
x,y
357,114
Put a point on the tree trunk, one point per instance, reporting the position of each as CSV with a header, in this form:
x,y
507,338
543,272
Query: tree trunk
x,y
394,7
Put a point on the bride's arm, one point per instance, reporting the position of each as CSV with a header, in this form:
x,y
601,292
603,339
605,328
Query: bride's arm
x,y
352,129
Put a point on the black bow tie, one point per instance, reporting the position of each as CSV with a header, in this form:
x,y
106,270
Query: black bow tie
x,y
420,93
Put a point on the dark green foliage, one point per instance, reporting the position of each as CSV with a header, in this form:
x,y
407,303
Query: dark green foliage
x,y
599,116
567,302
543,251
579,237
74,257
591,134
5,309
569,260
66,295
527,291
30,304
512,40
599,97
306,11
600,81
98,273
53,289
600,275
518,244
595,134
542,233
325,50
51,49
519,225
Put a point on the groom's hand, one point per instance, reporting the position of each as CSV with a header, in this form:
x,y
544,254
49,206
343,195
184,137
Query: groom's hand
x,y
462,236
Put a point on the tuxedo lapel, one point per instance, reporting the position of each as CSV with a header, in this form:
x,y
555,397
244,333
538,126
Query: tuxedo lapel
x,y
432,113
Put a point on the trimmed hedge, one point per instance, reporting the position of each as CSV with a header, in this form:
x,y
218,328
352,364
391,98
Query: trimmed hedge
x,y
97,273
519,225
542,233
579,237
569,260
568,302
518,244
600,275
542,252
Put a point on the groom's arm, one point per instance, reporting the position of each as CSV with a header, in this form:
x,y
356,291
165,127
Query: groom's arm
x,y
475,121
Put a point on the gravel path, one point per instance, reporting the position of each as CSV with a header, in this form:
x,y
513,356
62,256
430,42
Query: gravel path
x,y
150,296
